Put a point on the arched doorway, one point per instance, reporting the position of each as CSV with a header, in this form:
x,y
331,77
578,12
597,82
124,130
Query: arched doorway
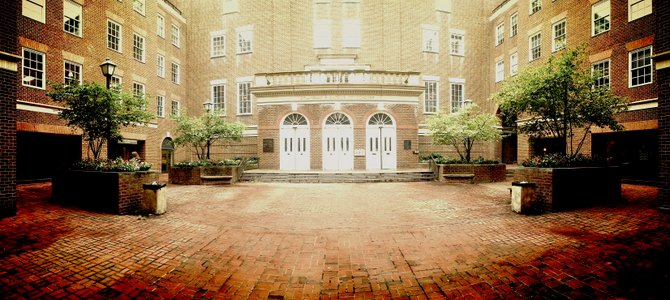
x,y
338,142
167,151
294,143
381,142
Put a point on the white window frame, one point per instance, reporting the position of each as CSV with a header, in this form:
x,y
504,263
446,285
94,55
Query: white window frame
x,y
534,6
78,27
160,106
531,47
220,105
137,86
500,70
30,10
139,6
244,35
431,97
30,69
513,64
116,81
457,41
606,18
605,75
500,34
513,24
351,26
139,48
646,9
456,104
247,92
78,73
175,108
431,39
175,73
650,65
175,37
554,45
160,25
119,36
160,65
217,49
322,26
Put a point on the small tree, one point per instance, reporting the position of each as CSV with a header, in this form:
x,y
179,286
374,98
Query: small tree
x,y
463,128
200,133
559,98
98,112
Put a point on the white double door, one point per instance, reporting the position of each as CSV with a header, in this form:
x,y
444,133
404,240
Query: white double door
x,y
338,147
295,150
381,147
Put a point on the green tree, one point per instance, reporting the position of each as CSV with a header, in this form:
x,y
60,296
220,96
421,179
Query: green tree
x,y
463,128
200,133
98,112
559,98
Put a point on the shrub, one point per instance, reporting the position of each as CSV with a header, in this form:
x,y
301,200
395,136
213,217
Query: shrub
x,y
427,158
116,165
452,161
562,161
205,163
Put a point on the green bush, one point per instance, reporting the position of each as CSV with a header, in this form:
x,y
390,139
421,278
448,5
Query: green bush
x,y
562,161
116,165
205,163
478,161
427,158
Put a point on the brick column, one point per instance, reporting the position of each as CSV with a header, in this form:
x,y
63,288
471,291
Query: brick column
x,y
662,62
9,67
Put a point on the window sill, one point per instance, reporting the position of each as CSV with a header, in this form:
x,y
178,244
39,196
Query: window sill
x,y
600,33
640,85
216,56
456,54
72,34
245,114
241,53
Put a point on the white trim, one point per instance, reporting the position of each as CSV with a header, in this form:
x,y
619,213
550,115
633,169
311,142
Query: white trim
x,y
630,10
456,80
643,104
630,70
457,31
38,107
291,102
430,78
502,10
244,79
217,81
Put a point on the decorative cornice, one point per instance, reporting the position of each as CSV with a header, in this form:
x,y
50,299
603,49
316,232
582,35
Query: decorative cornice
x,y
338,89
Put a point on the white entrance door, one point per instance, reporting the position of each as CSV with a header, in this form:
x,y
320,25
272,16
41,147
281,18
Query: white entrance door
x,y
294,143
380,143
338,143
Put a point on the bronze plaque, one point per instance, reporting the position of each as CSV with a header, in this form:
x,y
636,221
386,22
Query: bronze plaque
x,y
268,145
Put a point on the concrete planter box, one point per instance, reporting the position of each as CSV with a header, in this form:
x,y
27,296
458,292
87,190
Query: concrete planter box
x,y
569,188
482,172
113,192
197,175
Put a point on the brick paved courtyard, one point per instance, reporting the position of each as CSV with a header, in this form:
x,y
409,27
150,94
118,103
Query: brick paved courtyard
x,y
302,241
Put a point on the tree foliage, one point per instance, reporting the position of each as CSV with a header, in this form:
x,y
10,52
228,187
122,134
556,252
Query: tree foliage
x,y
98,112
463,128
559,98
200,133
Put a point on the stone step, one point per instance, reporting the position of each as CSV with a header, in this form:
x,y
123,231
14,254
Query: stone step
x,y
313,177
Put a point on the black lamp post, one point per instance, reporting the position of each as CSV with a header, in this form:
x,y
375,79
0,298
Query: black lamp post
x,y
108,67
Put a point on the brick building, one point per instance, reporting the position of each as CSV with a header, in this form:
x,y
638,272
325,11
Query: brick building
x,y
9,63
662,59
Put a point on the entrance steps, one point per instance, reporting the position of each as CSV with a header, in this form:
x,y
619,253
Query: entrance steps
x,y
337,176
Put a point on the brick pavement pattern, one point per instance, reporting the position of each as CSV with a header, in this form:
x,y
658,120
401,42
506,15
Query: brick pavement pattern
x,y
348,241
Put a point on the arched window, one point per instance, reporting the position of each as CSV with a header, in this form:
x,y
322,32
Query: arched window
x,y
380,119
338,119
295,119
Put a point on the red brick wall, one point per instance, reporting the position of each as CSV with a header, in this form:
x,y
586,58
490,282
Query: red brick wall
x,y
662,44
8,79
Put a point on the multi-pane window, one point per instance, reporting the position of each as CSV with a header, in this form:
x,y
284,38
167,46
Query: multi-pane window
x,y
138,90
244,98
175,108
640,65
457,96
176,37
513,64
218,45
160,106
535,6
114,35
430,98
34,9
500,70
138,47
33,68
138,6
601,72
321,29
72,17
351,24
160,66
638,9
219,97
72,73
431,41
244,40
160,25
175,73
513,25
457,44
500,33
534,46
559,35
600,17
115,81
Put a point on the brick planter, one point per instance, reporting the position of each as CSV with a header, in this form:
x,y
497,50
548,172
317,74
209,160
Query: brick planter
x,y
570,188
482,172
193,175
113,192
